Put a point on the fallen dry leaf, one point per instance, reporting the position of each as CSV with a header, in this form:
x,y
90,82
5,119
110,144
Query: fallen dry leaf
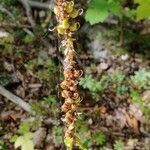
x,y
103,109
132,122
136,112
39,137
4,116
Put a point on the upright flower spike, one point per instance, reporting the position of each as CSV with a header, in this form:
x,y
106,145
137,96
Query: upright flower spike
x,y
66,13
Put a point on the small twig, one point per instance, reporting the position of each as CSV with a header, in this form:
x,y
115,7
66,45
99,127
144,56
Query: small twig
x,y
17,24
41,5
12,25
15,99
5,11
27,7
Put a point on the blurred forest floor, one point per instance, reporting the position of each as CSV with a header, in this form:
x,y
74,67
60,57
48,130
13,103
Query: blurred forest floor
x,y
115,110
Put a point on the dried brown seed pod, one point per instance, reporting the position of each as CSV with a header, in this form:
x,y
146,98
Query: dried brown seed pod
x,y
66,107
78,73
68,118
67,84
69,100
68,134
75,96
71,127
73,88
73,107
68,74
64,85
64,94
70,114
70,94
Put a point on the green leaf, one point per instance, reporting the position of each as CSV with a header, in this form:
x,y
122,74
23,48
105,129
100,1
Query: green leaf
x,y
141,78
118,145
79,143
99,138
143,10
13,138
91,84
28,145
24,127
99,10
19,142
28,135
136,97
25,142
115,7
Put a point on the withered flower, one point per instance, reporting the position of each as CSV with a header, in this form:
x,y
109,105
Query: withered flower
x,y
66,12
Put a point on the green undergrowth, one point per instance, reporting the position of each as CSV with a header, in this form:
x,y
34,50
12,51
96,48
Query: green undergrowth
x,y
138,8
3,145
119,16
119,145
45,69
97,87
46,106
120,84
24,137
88,138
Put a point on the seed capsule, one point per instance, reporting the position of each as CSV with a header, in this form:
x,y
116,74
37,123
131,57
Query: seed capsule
x,y
74,13
69,100
71,127
68,118
65,84
75,96
68,134
74,27
65,24
73,88
60,30
78,73
65,107
64,94
69,6
68,74
56,10
68,84
73,107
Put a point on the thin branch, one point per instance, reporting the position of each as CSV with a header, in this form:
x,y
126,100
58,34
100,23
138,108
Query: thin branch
x,y
27,7
17,24
5,25
5,11
15,99
47,5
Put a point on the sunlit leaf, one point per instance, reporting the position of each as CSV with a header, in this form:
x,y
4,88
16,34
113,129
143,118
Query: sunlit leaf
x,y
99,10
143,10
19,142
25,142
